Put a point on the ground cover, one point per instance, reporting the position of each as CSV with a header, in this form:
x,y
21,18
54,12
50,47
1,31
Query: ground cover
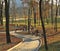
x,y
53,39
52,36
52,47
4,46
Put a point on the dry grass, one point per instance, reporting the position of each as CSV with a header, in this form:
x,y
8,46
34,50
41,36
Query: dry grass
x,y
52,36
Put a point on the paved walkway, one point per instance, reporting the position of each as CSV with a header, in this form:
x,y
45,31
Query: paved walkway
x,y
30,43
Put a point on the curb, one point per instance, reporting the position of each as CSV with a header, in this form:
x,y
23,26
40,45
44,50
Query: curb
x,y
14,46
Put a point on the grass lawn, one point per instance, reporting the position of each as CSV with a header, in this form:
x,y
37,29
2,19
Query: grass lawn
x,y
52,47
4,46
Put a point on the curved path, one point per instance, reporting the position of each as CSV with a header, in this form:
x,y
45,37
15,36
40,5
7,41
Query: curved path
x,y
30,43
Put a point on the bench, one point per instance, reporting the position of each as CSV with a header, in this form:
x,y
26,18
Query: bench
x,y
21,27
36,32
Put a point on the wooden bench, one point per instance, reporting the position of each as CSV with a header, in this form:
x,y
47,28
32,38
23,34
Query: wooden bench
x,y
21,27
35,31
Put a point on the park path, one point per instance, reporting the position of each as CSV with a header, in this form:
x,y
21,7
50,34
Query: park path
x,y
30,43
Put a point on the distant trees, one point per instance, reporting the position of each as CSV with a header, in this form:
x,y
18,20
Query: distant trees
x,y
47,7
24,12
34,12
14,11
59,8
33,9
7,2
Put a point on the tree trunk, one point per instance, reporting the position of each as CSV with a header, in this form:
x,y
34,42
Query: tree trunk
x,y
44,33
34,12
56,17
0,11
7,21
1,8
29,21
52,12
1,14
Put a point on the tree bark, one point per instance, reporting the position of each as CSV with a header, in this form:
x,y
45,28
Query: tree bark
x,y
29,20
1,11
44,33
52,12
1,14
34,12
56,17
7,21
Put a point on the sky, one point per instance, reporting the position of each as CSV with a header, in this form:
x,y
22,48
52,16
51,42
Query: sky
x,y
54,1
19,2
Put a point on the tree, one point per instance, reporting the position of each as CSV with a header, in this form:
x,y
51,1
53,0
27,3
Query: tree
x,y
34,12
46,11
52,12
29,13
13,11
56,17
44,33
24,12
33,8
29,20
7,2
1,11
